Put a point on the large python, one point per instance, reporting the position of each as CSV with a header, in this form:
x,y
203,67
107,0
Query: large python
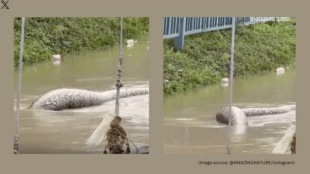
x,y
239,115
65,98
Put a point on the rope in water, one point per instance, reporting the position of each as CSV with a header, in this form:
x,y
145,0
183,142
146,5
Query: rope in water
x,y
119,69
118,86
20,67
118,81
231,83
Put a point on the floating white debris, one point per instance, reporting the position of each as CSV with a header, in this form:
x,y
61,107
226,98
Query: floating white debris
x,y
280,70
57,57
225,82
130,43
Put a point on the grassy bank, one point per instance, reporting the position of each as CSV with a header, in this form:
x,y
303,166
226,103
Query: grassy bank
x,y
47,36
205,58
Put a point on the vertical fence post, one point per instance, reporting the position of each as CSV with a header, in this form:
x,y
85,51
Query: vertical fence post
x,y
232,52
20,69
179,41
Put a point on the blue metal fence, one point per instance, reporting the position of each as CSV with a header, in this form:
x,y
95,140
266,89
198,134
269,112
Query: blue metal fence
x,y
179,27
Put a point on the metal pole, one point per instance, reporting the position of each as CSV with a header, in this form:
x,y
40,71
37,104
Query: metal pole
x,y
232,52
20,68
119,70
179,41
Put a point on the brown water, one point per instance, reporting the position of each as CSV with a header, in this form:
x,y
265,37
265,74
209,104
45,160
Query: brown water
x,y
191,128
66,131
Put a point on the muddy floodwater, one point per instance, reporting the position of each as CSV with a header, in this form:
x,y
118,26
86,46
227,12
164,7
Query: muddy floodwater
x,y
191,127
67,131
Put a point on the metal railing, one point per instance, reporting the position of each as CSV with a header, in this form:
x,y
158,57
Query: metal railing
x,y
179,27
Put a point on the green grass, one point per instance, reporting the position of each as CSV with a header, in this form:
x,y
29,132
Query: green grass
x,y
47,36
205,58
